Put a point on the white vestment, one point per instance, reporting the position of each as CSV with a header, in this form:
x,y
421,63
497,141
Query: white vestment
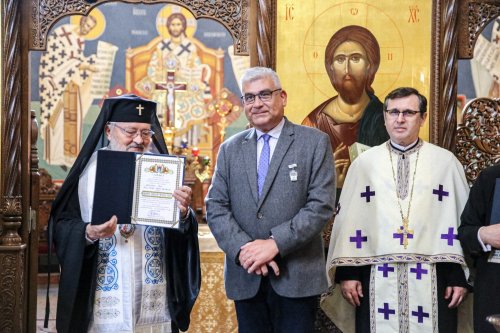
x,y
131,278
368,230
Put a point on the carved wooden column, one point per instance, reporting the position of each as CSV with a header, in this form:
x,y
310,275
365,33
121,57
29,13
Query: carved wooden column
x,y
32,258
12,249
266,39
447,122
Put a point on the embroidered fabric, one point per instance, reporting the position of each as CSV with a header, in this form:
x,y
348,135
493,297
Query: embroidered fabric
x,y
411,306
403,167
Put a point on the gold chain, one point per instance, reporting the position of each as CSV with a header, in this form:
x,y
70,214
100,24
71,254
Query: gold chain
x,y
404,220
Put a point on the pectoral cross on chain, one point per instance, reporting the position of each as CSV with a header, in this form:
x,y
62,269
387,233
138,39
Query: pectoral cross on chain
x,y
171,87
140,108
404,232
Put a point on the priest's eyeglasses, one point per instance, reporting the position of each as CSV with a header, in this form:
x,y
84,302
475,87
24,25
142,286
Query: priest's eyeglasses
x,y
132,133
394,113
264,96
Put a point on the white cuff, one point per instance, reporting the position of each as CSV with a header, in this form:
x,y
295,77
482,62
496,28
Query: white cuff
x,y
486,247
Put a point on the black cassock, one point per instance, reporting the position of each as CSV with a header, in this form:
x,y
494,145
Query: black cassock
x,y
78,260
477,213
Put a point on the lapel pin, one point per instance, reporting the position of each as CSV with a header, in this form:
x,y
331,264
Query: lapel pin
x,y
293,172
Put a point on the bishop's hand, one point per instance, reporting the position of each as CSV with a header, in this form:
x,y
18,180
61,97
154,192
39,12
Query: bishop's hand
x,y
183,197
105,230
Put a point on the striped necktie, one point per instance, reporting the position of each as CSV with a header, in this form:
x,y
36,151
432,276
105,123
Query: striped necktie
x,y
263,163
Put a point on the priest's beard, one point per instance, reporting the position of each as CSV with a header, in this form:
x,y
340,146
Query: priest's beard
x,y
113,145
349,88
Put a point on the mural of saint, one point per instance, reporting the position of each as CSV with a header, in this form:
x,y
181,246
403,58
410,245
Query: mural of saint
x,y
123,48
178,51
352,58
65,76
69,81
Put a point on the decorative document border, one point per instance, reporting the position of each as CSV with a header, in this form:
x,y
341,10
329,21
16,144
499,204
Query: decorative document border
x,y
156,178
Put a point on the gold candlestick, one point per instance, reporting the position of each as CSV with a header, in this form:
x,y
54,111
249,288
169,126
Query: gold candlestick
x,y
168,135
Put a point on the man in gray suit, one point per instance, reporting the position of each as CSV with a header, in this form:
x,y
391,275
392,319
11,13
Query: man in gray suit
x,y
272,193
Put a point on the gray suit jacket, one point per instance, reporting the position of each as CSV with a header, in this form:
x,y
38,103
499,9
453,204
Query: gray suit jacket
x,y
294,212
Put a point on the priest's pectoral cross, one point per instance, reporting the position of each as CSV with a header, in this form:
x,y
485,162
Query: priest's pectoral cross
x,y
404,233
171,87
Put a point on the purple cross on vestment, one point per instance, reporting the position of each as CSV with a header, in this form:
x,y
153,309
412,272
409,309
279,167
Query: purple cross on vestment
x,y
386,311
358,239
420,314
440,192
450,236
367,194
401,235
385,268
419,271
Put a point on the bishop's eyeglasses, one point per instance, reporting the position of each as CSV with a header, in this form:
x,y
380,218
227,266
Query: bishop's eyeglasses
x,y
264,96
132,133
394,113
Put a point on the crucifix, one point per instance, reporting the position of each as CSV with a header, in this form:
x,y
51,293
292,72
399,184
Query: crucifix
x,y
171,87
140,108
404,232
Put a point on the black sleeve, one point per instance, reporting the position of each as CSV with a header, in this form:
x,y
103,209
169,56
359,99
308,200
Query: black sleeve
x,y
452,274
344,273
78,268
474,215
183,269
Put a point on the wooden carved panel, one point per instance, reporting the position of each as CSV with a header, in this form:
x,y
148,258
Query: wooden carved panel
x,y
478,138
48,191
233,14
472,19
11,293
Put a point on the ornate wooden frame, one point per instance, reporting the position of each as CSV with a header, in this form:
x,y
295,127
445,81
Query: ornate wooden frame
x,y
24,27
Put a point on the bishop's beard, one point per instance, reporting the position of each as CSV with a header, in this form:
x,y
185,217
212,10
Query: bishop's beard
x,y
349,88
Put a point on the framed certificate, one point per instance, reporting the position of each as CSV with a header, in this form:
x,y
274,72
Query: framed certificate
x,y
137,188
156,178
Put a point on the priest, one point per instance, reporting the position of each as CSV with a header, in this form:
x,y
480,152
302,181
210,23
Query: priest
x,y
108,282
479,233
394,262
